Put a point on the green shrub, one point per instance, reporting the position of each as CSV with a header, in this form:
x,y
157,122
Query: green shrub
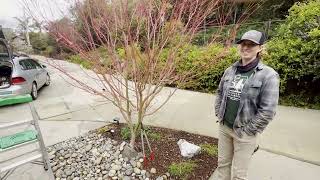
x,y
210,76
300,100
210,149
202,64
39,41
79,60
205,36
182,169
222,34
125,133
154,136
294,53
49,51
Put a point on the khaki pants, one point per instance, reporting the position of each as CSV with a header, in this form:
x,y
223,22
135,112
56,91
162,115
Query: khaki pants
x,y
234,154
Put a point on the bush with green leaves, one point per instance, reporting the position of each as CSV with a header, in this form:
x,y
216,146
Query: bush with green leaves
x,y
101,52
222,34
49,51
39,41
77,59
125,133
44,44
294,52
204,66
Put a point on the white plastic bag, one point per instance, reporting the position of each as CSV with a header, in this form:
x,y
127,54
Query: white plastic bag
x,y
187,149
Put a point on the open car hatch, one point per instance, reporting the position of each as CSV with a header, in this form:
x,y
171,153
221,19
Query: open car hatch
x,y
6,63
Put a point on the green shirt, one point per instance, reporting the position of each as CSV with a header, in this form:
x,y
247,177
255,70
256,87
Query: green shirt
x,y
233,96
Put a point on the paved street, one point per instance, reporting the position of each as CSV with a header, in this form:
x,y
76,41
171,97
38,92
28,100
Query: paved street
x,y
290,145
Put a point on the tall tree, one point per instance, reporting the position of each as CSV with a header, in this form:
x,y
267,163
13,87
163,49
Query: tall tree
x,y
24,25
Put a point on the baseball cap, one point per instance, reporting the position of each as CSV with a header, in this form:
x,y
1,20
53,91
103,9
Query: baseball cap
x,y
254,36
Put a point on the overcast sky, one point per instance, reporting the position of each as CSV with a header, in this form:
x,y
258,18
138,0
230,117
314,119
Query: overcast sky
x,y
8,10
13,8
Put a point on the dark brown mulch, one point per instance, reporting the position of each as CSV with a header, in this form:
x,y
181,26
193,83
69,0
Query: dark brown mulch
x,y
167,151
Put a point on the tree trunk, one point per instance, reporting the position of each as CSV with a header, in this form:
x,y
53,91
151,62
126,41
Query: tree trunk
x,y
133,137
135,131
28,37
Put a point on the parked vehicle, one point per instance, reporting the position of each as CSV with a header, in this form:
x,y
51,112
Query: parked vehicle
x,y
20,75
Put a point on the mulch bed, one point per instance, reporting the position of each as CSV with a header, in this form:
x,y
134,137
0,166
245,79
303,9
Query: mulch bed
x,y
167,151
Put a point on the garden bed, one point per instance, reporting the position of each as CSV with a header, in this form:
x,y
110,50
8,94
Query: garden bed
x,y
96,155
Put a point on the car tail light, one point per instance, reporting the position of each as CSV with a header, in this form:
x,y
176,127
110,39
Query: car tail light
x,y
17,80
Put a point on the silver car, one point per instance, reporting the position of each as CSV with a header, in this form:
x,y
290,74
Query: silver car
x,y
20,75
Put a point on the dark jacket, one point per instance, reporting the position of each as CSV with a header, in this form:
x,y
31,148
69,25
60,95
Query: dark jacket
x,y
258,101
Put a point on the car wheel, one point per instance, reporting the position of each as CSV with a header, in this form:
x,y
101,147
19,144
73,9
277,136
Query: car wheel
x,y
48,80
34,91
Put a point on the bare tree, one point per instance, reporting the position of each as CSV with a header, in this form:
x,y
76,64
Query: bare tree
x,y
37,26
24,26
139,40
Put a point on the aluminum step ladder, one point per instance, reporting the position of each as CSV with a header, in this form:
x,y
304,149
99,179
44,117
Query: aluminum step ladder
x,y
18,140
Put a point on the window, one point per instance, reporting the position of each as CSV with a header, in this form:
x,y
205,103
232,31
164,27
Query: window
x,y
32,65
35,64
23,64
27,64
